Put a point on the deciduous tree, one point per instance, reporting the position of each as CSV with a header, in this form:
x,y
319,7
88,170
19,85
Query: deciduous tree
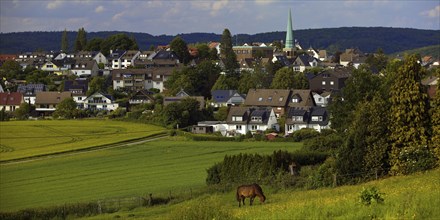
x,y
179,46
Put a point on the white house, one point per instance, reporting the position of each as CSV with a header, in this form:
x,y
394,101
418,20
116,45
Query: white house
x,y
99,101
85,68
240,120
321,99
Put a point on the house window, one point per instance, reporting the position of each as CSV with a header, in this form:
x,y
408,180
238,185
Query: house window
x,y
238,127
323,83
79,98
260,99
295,100
281,99
254,127
256,118
158,76
269,98
316,118
332,83
297,118
237,118
290,127
319,99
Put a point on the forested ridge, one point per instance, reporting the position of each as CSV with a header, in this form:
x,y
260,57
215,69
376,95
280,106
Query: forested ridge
x,y
367,39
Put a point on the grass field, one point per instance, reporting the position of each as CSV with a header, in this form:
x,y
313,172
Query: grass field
x,y
154,167
405,197
19,139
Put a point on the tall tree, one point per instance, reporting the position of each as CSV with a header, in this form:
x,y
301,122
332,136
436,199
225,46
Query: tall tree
x,y
409,120
81,40
435,121
228,56
64,42
66,109
94,44
179,46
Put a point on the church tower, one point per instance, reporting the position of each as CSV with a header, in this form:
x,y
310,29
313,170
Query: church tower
x,y
289,47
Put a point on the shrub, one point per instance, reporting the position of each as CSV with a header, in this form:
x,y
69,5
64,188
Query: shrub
x,y
304,134
369,195
327,143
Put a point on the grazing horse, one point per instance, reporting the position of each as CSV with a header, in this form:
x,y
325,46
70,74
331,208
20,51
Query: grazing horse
x,y
249,191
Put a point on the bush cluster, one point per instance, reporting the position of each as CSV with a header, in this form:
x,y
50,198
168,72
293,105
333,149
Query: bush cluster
x,y
267,169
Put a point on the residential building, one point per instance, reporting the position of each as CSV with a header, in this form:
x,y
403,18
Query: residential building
x,y
85,68
10,101
314,117
329,80
322,99
353,57
29,91
141,97
226,98
240,120
304,62
46,102
277,99
431,83
250,52
100,101
78,88
115,59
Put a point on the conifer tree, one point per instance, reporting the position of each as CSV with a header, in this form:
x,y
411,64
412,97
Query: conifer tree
x,y
227,55
409,120
81,40
435,121
64,42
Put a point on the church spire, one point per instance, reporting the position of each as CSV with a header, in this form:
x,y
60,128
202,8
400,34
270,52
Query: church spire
x,y
289,33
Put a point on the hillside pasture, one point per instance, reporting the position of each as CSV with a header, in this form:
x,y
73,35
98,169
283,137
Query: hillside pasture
x,y
157,167
405,197
20,139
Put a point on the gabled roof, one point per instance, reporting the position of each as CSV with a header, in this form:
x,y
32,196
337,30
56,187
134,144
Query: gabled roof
x,y
307,115
100,94
238,112
340,73
163,54
142,95
11,98
430,80
51,97
304,98
303,60
267,97
171,99
263,113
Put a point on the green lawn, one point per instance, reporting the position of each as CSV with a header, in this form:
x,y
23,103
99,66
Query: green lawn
x,y
19,139
155,167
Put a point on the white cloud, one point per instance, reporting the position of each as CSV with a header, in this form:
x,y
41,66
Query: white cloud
x,y
433,13
264,2
99,9
54,4
217,6
118,16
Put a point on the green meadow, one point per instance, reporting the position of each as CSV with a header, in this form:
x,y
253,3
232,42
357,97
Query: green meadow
x,y
405,197
157,167
20,139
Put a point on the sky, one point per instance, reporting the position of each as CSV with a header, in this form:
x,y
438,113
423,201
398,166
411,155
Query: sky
x,y
173,17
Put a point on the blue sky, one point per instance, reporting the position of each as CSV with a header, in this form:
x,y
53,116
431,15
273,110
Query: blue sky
x,y
212,16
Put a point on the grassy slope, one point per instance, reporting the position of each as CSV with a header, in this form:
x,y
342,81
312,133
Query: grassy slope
x,y
406,197
20,139
154,167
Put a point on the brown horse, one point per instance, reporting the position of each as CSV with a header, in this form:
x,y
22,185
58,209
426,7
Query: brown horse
x,y
249,191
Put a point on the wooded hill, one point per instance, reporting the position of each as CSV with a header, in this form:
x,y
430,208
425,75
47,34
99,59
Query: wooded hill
x,y
367,39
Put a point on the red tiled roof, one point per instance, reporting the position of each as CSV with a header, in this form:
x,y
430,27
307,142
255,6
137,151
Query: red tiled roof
x,y
13,98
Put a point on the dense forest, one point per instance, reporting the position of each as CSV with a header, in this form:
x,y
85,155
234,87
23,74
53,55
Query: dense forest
x,y
367,39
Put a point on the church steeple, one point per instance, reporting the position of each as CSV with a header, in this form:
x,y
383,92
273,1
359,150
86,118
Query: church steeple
x,y
289,47
289,33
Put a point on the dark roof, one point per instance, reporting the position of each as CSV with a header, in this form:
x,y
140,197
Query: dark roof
x,y
220,96
163,54
238,111
30,89
51,97
307,115
76,85
303,97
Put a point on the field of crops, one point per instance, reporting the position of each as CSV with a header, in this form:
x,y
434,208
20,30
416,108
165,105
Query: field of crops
x,y
157,167
19,139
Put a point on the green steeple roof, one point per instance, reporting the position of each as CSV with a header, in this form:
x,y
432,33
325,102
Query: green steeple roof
x,y
289,33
